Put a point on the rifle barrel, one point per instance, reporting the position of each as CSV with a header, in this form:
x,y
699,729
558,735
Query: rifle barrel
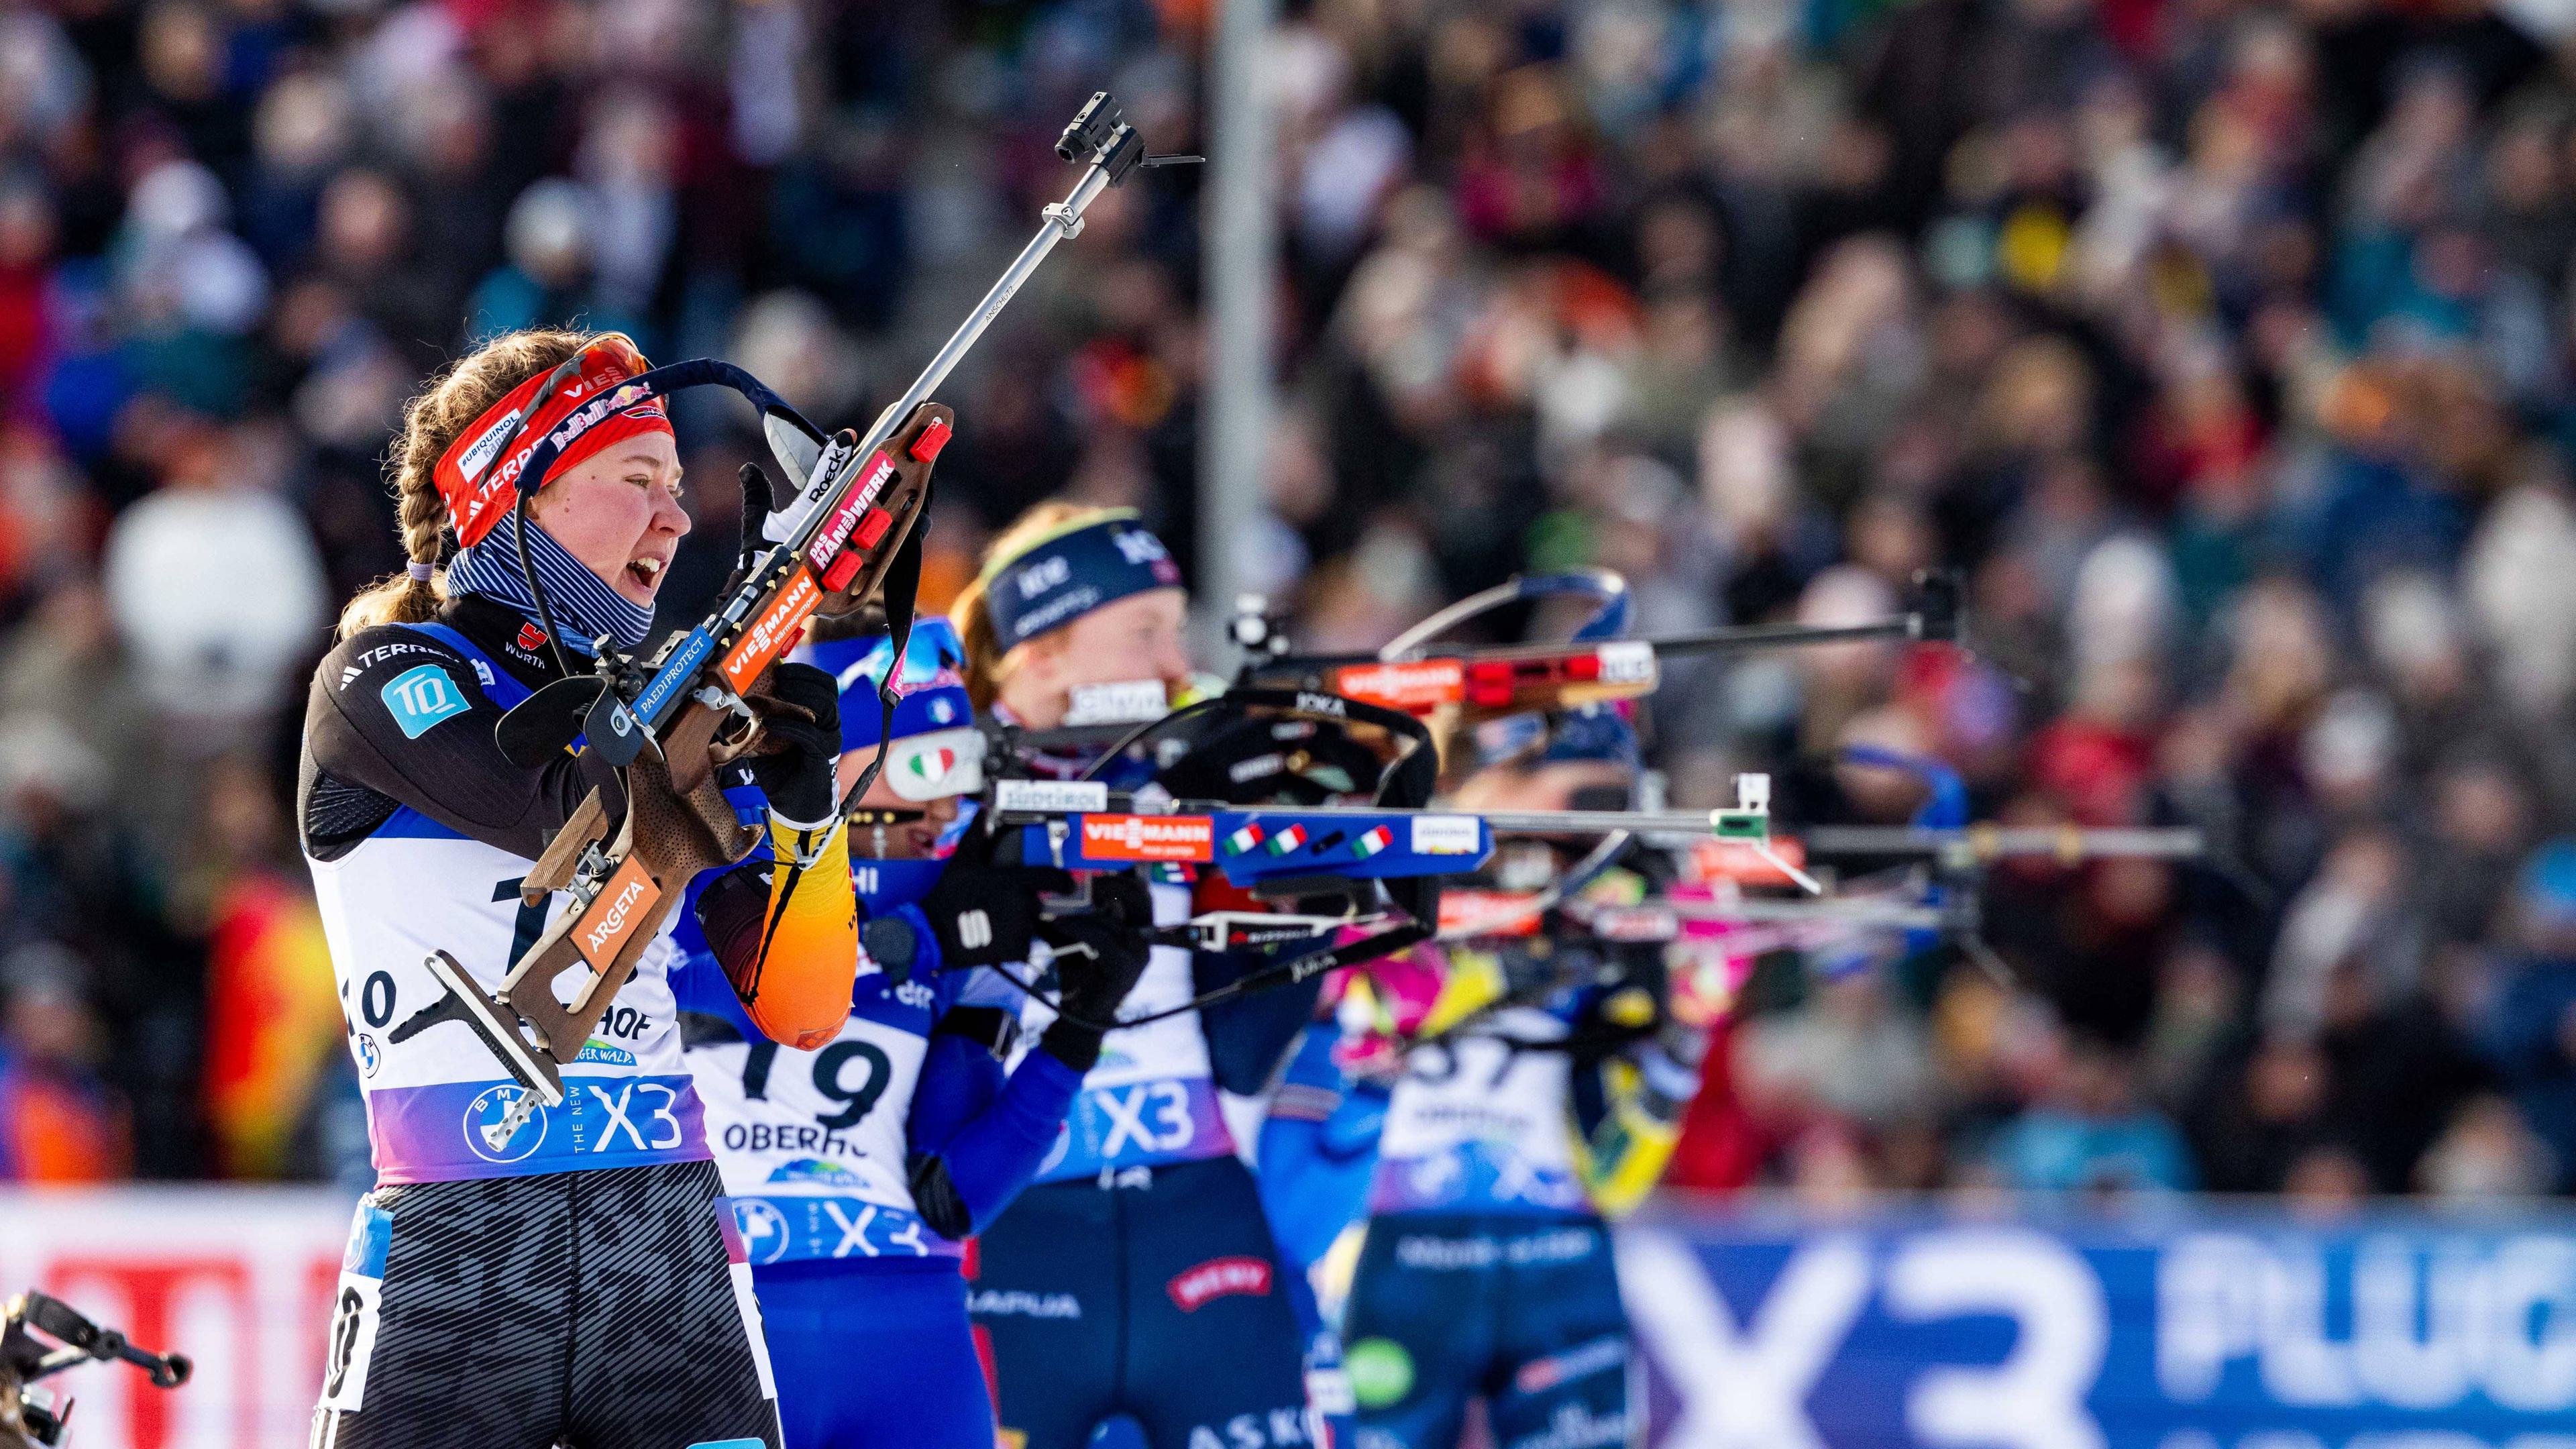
x,y
1762,910
1989,842
1061,221
1738,637
1728,639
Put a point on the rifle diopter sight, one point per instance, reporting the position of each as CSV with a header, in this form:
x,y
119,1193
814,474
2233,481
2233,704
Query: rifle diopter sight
x,y
1099,133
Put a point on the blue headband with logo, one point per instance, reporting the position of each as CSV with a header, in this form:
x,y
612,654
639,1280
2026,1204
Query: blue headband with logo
x,y
1067,575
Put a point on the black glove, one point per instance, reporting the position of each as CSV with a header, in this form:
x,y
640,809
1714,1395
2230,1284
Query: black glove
x,y
1099,956
985,914
756,496
797,753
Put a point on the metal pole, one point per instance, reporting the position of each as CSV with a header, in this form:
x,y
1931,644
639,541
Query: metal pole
x,y
1241,250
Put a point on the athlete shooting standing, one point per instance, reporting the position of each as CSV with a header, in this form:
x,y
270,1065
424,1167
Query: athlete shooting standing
x,y
858,1170
1138,1275
567,1284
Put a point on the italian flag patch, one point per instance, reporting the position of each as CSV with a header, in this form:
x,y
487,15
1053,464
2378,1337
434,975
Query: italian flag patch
x,y
1243,840
1288,840
1373,842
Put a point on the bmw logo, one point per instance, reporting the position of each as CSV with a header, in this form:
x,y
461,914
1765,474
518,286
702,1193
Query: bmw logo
x,y
369,1058
487,1109
763,1229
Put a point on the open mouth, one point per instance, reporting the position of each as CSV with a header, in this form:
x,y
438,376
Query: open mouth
x,y
646,572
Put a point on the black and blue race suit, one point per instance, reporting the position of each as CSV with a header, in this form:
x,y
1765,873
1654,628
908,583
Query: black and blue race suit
x,y
567,1285
1139,1277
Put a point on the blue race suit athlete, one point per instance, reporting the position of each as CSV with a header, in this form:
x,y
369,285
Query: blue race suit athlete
x,y
566,1285
1523,1114
1318,1152
1139,1277
854,1171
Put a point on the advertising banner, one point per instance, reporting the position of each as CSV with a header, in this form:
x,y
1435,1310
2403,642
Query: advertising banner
x,y
2192,1327
2189,1327
239,1279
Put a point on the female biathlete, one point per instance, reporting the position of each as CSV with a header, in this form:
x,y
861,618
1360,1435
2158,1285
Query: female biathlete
x,y
1138,1277
1531,1101
569,1284
855,1171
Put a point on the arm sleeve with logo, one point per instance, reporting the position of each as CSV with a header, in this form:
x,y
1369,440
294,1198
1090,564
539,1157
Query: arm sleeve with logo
x,y
400,713
971,1036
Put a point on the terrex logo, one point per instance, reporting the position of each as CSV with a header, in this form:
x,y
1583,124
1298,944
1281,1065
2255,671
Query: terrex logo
x,y
1148,837
1218,1277
1416,688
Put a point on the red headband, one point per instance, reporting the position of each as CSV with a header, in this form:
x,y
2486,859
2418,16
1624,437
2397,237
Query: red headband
x,y
478,493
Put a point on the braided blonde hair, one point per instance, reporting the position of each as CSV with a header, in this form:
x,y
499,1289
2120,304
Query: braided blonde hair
x,y
431,422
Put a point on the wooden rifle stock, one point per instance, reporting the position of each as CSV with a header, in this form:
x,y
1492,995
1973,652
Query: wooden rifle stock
x,y
677,822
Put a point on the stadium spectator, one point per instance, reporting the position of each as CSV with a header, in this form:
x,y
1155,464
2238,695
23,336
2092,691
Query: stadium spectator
x,y
2530,1030
58,1123
2089,1134
2230,352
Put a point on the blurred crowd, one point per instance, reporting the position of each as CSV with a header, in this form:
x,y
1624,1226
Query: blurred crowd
x,y
2228,347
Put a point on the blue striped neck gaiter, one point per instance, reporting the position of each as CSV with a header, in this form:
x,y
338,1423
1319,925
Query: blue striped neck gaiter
x,y
584,606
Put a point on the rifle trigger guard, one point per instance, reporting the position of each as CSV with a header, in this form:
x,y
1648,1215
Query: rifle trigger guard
x,y
590,874
737,734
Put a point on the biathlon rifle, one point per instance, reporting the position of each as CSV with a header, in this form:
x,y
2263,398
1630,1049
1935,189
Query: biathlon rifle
x,y
1414,675
26,1355
1349,853
1936,894
652,734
